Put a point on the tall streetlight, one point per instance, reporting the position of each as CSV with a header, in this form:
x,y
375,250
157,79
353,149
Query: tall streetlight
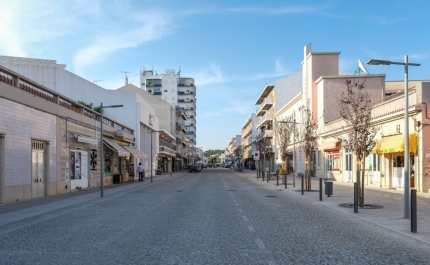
x,y
153,131
294,148
101,143
407,154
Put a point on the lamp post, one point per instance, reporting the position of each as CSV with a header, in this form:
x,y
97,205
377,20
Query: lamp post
x,y
407,154
294,148
101,143
151,149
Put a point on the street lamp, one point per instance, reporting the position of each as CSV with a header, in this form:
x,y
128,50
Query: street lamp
x,y
101,143
294,148
407,154
151,149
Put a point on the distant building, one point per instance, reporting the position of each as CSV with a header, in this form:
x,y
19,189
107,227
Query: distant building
x,y
176,90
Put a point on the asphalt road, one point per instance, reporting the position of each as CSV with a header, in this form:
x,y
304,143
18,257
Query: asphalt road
x,y
213,217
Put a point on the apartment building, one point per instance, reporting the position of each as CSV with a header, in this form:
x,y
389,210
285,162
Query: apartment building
x,y
176,90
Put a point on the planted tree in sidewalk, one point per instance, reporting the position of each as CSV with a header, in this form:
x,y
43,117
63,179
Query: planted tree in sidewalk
x,y
307,137
284,128
238,152
356,109
262,144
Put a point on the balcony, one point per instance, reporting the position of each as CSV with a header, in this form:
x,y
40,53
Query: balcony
x,y
268,133
185,85
166,151
266,104
190,133
155,93
265,119
185,92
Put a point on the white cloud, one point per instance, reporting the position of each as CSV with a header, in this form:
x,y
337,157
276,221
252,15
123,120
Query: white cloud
x,y
273,11
209,76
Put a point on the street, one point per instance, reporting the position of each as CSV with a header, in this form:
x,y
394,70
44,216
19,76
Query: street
x,y
216,216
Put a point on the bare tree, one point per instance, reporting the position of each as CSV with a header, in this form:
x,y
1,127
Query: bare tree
x,y
238,152
263,145
283,136
307,138
356,109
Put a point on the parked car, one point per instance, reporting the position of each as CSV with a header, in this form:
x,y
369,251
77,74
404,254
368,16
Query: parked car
x,y
195,168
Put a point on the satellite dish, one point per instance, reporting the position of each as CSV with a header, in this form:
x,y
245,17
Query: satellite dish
x,y
361,68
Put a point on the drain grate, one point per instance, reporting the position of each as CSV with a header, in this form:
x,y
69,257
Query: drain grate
x,y
231,190
271,196
179,190
366,206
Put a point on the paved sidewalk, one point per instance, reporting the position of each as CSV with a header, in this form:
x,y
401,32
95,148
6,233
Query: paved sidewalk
x,y
25,209
390,217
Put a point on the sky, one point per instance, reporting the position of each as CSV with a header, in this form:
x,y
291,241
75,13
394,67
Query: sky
x,y
231,48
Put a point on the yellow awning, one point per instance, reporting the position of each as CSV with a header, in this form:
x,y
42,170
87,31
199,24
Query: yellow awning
x,y
395,144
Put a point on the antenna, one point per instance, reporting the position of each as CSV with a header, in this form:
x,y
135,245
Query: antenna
x,y
95,81
361,68
125,73
126,77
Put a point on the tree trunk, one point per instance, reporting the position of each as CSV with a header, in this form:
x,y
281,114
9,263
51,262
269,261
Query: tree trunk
x,y
357,176
308,173
363,161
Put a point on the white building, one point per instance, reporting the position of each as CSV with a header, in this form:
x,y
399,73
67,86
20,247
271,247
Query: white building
x,y
136,113
174,89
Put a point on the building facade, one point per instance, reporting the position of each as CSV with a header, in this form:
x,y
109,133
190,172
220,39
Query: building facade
x,y
174,89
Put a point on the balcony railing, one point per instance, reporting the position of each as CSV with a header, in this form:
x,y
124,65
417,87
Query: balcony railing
x,y
167,151
265,105
185,92
265,119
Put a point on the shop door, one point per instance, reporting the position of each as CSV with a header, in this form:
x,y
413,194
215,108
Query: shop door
x,y
79,169
347,173
397,180
37,169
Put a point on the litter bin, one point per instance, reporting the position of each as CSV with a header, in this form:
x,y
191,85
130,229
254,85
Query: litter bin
x,y
328,188
117,178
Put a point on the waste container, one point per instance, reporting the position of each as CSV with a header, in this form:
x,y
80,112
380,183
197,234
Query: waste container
x,y
117,178
328,188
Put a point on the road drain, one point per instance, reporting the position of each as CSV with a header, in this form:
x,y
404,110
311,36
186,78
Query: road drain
x,y
179,191
271,196
231,190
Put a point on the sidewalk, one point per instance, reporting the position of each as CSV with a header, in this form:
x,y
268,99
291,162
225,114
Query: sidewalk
x,y
20,210
390,217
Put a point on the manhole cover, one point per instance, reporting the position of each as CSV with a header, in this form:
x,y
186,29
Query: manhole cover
x,y
231,190
366,206
271,196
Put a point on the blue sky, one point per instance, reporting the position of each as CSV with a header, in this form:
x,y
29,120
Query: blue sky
x,y
231,48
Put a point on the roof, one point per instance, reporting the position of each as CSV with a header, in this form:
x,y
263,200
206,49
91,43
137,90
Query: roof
x,y
30,61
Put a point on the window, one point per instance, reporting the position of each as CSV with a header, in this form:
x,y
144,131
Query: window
x,y
165,90
173,98
173,90
373,162
333,161
319,159
348,161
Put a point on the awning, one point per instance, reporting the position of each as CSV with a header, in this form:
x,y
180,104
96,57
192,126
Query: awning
x,y
329,145
395,144
135,152
121,151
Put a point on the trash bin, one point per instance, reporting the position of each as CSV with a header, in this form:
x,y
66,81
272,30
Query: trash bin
x,y
328,188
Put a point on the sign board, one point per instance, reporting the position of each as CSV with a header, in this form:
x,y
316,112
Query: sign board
x,y
256,155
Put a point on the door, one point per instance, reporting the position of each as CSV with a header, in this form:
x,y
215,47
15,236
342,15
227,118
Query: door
x,y
397,180
347,173
79,169
37,169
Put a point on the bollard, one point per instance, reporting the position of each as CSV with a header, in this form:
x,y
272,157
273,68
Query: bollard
x,y
413,210
355,197
277,179
285,180
303,182
320,189
328,188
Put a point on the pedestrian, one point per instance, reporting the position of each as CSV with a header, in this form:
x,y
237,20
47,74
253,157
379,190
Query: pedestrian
x,y
141,172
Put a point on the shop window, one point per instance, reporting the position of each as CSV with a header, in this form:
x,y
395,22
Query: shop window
x,y
333,161
108,163
399,161
373,162
348,161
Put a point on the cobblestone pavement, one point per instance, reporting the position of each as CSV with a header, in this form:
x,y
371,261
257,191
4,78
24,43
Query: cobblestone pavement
x,y
213,217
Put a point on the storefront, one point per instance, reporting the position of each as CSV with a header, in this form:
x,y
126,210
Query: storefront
x,y
81,152
116,162
134,160
392,147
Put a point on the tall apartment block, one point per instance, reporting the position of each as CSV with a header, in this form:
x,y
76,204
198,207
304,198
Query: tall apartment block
x,y
176,90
